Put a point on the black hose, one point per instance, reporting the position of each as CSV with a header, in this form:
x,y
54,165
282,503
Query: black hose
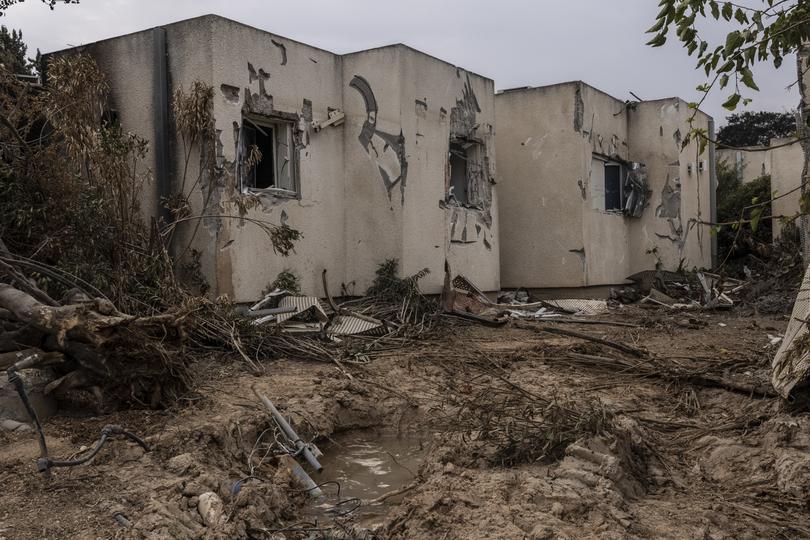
x,y
45,463
15,380
106,433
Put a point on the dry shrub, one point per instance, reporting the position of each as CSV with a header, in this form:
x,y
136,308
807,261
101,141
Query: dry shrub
x,y
506,424
71,194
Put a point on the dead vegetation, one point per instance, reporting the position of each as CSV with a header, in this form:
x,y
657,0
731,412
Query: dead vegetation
x,y
507,424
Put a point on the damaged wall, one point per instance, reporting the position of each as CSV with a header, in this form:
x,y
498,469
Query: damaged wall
x,y
369,188
412,220
679,180
302,83
558,231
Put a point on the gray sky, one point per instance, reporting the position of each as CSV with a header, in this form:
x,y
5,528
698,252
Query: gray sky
x,y
516,43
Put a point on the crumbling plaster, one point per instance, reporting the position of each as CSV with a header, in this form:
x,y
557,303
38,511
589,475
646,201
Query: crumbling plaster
x,y
674,173
417,103
280,81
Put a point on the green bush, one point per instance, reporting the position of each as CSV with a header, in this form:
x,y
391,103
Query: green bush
x,y
733,200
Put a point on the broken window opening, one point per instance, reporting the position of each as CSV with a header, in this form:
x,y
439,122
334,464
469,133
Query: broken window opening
x,y
619,186
274,170
465,172
614,182
458,173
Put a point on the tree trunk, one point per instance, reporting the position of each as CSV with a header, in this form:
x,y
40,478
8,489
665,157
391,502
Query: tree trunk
x,y
803,129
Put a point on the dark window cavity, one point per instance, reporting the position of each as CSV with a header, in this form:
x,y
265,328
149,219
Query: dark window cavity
x,y
267,156
613,186
458,174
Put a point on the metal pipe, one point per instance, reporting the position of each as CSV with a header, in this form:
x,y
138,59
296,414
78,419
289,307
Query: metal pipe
x,y
298,471
300,446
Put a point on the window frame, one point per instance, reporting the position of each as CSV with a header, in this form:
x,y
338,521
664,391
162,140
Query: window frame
x,y
622,177
623,172
281,125
472,149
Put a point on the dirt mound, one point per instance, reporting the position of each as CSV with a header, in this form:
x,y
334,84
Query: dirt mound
x,y
772,457
588,489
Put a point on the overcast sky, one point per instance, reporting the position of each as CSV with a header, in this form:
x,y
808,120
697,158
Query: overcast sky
x,y
516,43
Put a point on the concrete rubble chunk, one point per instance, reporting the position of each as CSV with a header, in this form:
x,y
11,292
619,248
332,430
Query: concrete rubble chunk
x,y
210,508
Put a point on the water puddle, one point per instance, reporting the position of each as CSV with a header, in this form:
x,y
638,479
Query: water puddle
x,y
367,465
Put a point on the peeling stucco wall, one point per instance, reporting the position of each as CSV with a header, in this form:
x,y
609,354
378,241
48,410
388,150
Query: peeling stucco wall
x,y
386,149
426,102
278,79
680,181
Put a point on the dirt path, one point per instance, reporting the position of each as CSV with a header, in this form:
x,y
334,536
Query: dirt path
x,y
679,457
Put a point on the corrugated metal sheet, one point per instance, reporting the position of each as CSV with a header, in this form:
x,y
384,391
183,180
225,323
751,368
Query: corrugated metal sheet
x,y
577,305
302,304
346,325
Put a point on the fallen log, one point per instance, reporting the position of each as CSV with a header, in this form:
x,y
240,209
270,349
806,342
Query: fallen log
x,y
9,358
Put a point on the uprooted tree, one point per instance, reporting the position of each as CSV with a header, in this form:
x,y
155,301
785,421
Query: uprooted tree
x,y
86,280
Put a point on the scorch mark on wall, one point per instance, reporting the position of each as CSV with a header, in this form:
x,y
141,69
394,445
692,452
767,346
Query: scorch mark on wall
x,y
283,50
262,102
230,93
390,156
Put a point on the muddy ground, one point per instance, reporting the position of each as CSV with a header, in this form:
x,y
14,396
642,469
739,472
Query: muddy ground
x,y
712,456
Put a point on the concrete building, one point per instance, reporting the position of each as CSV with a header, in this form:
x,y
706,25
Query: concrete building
x,y
749,163
783,162
390,153
786,165
594,189
403,165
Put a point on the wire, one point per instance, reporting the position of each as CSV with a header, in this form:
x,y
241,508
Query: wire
x,y
106,432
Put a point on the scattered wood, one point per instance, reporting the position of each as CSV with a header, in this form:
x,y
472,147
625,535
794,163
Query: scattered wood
x,y
385,496
588,337
590,321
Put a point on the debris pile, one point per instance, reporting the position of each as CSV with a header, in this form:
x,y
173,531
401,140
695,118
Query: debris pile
x,y
680,290
462,298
